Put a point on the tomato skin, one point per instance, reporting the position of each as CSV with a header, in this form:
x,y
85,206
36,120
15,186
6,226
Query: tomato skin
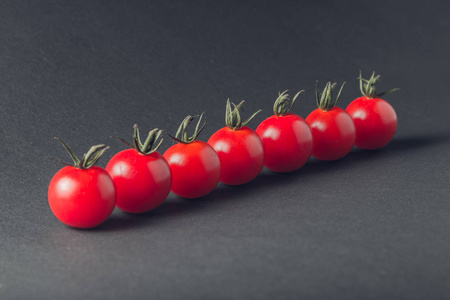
x,y
375,121
82,198
241,154
142,181
287,142
195,168
333,133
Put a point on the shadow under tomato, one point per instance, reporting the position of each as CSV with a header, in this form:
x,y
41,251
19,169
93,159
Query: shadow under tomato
x,y
172,207
404,145
118,221
177,206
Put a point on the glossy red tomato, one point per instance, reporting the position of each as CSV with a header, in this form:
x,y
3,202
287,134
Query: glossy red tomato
x,y
194,164
287,142
286,137
82,198
240,149
141,175
142,181
195,168
83,195
332,127
375,119
333,133
241,154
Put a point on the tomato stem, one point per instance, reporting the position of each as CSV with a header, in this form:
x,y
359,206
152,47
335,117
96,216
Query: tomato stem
x,y
183,129
88,160
92,156
368,86
283,104
148,146
233,117
325,102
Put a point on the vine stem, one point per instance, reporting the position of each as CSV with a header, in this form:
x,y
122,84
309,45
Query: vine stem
x,y
233,117
184,127
368,86
88,160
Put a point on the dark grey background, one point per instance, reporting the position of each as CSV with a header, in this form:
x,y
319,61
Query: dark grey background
x,y
374,225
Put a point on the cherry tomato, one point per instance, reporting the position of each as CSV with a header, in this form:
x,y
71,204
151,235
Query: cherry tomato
x,y
332,127
141,175
194,164
84,195
375,119
286,137
195,168
240,149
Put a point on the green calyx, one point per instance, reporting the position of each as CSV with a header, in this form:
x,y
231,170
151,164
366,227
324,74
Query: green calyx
x,y
283,104
88,160
183,130
325,101
368,86
233,116
150,144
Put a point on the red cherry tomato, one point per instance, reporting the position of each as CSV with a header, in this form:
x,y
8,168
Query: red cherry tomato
x,y
375,119
287,142
241,154
142,181
332,127
333,133
195,168
194,164
286,137
82,196
240,149
141,175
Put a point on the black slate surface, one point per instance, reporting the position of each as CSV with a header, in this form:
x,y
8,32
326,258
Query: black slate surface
x,y
374,225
